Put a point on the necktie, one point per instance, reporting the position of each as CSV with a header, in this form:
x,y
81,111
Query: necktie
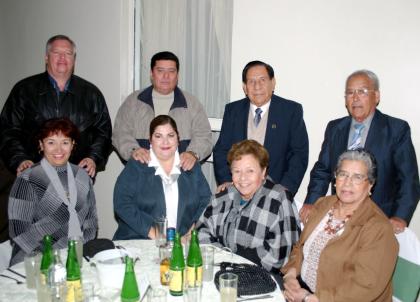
x,y
257,117
357,136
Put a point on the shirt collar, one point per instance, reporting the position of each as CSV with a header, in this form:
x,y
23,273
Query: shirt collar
x,y
263,108
154,162
365,123
55,85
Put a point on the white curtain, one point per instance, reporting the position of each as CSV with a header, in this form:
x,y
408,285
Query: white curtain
x,y
199,32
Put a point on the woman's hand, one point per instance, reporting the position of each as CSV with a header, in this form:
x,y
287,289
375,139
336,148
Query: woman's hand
x,y
152,233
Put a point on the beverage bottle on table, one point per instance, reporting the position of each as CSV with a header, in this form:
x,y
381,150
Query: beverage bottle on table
x,y
47,256
194,262
170,237
177,268
57,279
130,291
74,280
165,253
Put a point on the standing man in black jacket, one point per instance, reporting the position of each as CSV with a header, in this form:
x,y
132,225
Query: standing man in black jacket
x,y
57,92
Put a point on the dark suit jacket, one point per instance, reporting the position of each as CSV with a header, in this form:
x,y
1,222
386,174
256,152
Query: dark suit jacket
x,y
397,188
286,140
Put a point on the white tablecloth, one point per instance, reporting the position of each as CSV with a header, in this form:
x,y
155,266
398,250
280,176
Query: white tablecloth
x,y
10,291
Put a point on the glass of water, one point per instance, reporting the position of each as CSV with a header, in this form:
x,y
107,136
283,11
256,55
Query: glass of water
x,y
32,264
161,224
228,285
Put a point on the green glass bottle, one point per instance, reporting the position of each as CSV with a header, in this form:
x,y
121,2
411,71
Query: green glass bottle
x,y
47,256
194,262
74,278
177,268
130,291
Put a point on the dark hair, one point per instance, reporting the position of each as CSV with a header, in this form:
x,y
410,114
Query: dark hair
x,y
251,64
164,55
363,156
59,125
250,147
161,120
59,37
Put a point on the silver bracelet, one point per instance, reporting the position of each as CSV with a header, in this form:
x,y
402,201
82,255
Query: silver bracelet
x,y
306,296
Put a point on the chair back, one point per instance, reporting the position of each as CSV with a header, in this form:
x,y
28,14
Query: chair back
x,y
406,278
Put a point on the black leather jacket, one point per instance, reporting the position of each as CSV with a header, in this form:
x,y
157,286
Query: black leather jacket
x,y
34,100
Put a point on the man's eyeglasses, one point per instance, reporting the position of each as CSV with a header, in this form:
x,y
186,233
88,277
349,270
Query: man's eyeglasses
x,y
360,92
356,179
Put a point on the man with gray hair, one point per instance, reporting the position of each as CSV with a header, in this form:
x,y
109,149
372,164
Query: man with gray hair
x,y
397,188
57,92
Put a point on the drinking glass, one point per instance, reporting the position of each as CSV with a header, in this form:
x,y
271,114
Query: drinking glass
x,y
79,248
192,293
90,293
32,264
43,291
156,294
228,285
160,228
207,253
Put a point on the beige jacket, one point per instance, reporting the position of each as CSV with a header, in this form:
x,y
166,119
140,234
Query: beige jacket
x,y
358,265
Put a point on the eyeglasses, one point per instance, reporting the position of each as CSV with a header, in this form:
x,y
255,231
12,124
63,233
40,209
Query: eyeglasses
x,y
356,179
360,92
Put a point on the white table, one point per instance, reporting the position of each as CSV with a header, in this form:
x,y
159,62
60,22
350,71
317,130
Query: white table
x,y
10,291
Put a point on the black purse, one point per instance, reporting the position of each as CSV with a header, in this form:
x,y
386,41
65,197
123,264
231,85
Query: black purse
x,y
252,279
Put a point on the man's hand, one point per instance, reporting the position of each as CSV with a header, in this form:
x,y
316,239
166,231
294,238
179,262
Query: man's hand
x,y
398,224
223,186
23,166
142,155
89,165
304,212
187,160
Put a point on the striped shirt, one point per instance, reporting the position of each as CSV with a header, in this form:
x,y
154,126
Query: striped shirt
x,y
35,210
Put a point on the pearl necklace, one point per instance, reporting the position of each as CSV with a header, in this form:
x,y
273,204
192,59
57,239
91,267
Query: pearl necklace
x,y
332,228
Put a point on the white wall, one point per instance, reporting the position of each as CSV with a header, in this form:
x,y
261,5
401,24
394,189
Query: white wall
x,y
314,45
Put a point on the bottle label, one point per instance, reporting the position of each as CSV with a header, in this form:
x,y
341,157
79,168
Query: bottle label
x,y
176,283
164,271
74,291
194,275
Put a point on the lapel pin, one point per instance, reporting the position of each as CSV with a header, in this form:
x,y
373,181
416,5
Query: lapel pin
x,y
273,126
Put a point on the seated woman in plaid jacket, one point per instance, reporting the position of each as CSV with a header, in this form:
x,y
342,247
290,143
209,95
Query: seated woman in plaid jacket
x,y
253,217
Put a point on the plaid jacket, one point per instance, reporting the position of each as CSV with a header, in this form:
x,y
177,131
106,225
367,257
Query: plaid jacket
x,y
262,230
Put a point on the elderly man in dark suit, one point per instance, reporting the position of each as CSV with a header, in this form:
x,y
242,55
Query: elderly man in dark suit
x,y
397,189
274,122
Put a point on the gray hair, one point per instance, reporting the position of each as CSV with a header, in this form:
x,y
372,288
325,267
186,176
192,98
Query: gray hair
x,y
59,37
370,74
363,156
